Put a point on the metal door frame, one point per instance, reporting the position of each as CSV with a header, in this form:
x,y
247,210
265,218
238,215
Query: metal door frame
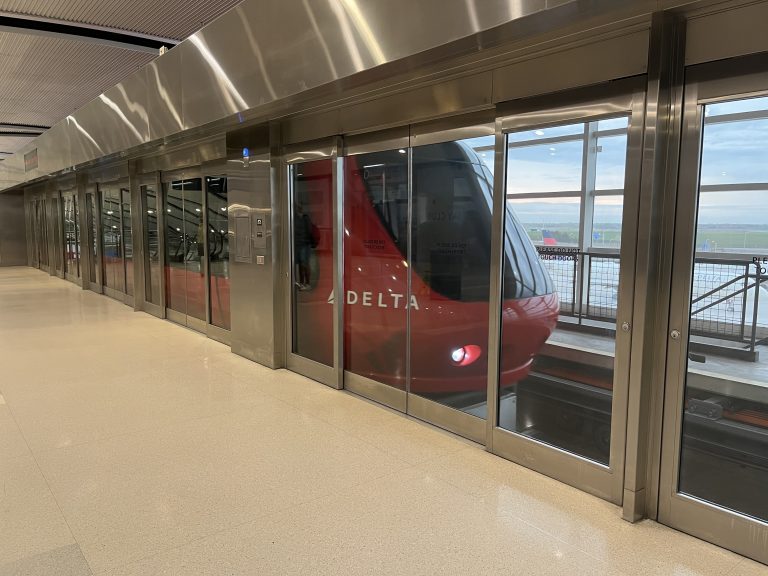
x,y
579,105
142,181
175,316
214,169
55,234
327,149
72,194
705,83
392,139
128,299
115,293
409,137
425,134
98,264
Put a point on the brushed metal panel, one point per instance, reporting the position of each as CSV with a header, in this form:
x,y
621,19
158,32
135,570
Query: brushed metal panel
x,y
312,127
268,50
54,151
189,155
250,195
447,418
218,334
83,144
738,32
110,173
551,461
376,391
442,99
164,95
311,369
264,51
117,120
609,59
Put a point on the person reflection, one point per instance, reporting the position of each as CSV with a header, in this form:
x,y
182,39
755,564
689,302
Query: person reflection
x,y
303,242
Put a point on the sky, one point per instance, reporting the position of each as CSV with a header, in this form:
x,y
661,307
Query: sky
x,y
733,152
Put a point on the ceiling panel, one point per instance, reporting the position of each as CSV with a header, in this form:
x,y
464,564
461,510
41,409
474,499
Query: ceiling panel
x,y
168,19
45,79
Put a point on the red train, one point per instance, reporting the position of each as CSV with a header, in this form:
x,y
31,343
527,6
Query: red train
x,y
445,233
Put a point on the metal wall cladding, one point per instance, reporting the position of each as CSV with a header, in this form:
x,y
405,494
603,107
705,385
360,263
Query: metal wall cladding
x,y
267,50
54,151
272,50
163,78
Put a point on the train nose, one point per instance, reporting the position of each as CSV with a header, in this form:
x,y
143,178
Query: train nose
x,y
466,355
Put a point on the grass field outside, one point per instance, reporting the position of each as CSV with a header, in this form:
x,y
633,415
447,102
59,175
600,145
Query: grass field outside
x,y
714,239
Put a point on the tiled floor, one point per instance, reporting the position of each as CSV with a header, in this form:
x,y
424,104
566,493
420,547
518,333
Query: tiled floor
x,y
130,446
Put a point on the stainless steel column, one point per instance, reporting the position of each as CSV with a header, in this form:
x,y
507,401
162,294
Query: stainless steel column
x,y
658,188
255,254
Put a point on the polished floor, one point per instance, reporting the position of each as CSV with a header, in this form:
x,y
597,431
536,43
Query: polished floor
x,y
131,446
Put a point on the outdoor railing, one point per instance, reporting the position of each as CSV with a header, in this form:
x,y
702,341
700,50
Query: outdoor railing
x,y
725,292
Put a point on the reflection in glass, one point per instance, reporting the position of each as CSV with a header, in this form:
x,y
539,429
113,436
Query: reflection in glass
x,y
724,445
57,234
93,234
450,263
606,221
312,260
76,237
175,248
218,251
556,385
194,234
151,245
611,162
70,237
43,227
184,247
551,167
375,266
125,197
112,245
547,221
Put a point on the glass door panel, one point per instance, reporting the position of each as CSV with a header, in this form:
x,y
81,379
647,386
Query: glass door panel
x,y
175,248
57,235
312,262
152,245
93,236
76,244
218,251
112,246
194,234
376,266
724,441
125,203
71,237
452,191
43,232
185,248
69,240
562,262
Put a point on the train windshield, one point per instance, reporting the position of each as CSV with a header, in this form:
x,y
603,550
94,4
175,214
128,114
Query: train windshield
x,y
451,222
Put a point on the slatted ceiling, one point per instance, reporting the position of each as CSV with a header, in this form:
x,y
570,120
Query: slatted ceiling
x,y
165,18
45,79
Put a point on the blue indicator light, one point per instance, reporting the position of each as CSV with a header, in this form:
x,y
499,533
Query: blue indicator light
x,y
246,153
